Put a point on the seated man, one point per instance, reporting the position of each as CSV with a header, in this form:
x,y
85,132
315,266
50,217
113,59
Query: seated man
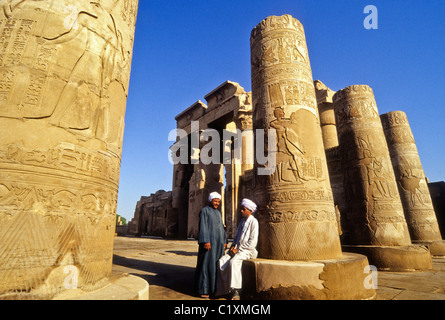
x,y
229,278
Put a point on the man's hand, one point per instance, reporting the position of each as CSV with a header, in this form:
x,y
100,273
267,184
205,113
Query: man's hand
x,y
207,246
233,251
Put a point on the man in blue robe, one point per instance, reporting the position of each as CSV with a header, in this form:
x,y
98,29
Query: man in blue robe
x,y
212,242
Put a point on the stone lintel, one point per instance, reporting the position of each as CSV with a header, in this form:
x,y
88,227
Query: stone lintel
x,y
194,112
223,92
226,98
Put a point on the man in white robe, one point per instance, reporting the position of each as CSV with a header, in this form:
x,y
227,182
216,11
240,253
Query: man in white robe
x,y
229,279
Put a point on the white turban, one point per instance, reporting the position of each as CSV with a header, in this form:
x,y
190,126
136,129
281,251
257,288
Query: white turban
x,y
249,204
214,195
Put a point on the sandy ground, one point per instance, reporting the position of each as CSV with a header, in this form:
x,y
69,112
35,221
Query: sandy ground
x,y
169,265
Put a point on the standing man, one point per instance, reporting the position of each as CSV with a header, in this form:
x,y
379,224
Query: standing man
x,y
212,243
243,247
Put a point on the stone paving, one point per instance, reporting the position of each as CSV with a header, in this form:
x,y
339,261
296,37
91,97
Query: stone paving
x,y
168,266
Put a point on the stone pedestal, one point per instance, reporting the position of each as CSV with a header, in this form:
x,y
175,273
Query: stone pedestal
x,y
395,258
119,287
346,278
436,247
411,181
64,78
373,208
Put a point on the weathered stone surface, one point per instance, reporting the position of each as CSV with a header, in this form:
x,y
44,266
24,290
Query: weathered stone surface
x,y
65,70
336,177
296,211
395,258
373,209
155,216
436,247
410,177
121,286
345,278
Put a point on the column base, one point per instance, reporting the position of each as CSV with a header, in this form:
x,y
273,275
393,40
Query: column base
x,y
394,258
121,287
436,247
346,278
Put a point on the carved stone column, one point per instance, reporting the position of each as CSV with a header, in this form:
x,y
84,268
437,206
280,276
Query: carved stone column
x,y
372,203
295,201
64,76
330,140
299,246
411,181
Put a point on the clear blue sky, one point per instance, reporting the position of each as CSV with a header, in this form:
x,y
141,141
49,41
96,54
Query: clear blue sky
x,y
185,49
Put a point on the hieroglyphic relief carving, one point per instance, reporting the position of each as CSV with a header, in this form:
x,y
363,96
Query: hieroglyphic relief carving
x,y
16,196
372,203
64,76
310,215
71,74
284,100
410,177
65,157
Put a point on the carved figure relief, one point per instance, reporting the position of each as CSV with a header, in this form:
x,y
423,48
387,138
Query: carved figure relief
x,y
66,66
373,207
410,177
73,88
289,148
410,183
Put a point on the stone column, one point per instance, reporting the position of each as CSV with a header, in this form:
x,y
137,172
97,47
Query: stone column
x,y
327,116
330,140
300,256
233,171
296,211
411,181
373,208
180,195
64,82
197,199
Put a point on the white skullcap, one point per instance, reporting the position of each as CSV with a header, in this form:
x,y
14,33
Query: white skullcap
x,y
249,204
214,195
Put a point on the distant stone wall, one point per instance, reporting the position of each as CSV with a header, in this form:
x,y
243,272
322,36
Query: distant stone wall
x,y
155,216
